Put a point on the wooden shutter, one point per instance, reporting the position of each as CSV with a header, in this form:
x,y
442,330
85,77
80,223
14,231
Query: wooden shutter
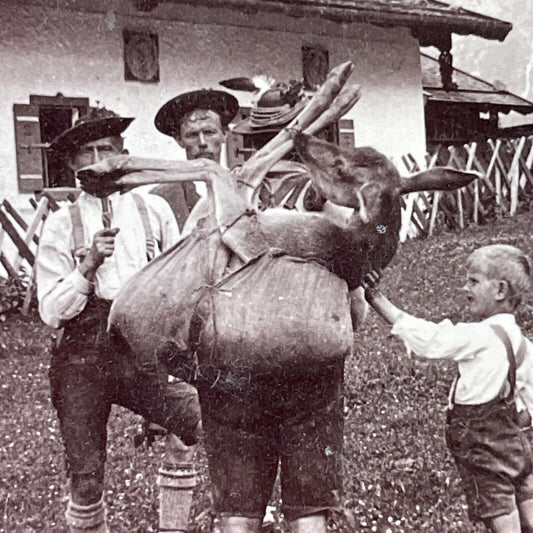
x,y
346,133
29,159
236,152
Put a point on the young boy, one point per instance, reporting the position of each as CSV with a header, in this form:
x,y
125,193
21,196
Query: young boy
x,y
483,428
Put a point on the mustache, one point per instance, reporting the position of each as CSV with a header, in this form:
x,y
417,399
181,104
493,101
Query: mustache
x,y
207,155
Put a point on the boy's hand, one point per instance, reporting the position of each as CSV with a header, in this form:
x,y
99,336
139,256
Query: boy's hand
x,y
370,283
377,300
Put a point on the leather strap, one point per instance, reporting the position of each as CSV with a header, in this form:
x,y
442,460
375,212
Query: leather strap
x,y
143,212
78,233
511,376
502,334
78,248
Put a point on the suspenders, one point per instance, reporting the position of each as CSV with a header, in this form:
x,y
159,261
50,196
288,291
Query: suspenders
x,y
502,334
78,235
149,236
511,376
77,231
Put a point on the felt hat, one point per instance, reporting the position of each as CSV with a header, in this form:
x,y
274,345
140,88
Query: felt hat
x,y
168,117
97,124
275,109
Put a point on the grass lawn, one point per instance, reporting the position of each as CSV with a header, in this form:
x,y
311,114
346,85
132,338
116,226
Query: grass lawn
x,y
399,477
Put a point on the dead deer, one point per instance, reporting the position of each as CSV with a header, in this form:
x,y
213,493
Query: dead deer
x,y
258,295
237,233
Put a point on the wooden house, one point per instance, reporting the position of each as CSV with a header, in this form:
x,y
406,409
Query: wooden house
x,y
467,109
60,56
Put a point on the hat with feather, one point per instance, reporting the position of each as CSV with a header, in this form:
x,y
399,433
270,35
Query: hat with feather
x,y
275,106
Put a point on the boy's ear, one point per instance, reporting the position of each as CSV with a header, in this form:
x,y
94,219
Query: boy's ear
x,y
503,290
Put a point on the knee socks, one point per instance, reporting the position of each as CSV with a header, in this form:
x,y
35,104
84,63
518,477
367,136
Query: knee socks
x,y
176,486
86,518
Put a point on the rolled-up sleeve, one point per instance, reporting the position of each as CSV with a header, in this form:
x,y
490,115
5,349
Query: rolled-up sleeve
x,y
61,288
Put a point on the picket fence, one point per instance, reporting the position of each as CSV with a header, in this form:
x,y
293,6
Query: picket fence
x,y
505,188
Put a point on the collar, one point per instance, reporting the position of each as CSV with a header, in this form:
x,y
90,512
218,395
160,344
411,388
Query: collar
x,y
499,318
96,199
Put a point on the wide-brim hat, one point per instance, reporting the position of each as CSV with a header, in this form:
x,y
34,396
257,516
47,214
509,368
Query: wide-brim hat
x,y
168,117
87,130
269,119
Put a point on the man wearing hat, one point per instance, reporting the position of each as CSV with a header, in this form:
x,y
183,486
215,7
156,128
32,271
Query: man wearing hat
x,y
310,448
87,251
198,121
243,455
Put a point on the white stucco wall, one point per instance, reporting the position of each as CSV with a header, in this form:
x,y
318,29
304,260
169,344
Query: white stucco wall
x,y
45,50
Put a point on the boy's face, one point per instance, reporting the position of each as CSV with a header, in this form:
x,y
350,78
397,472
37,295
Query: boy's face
x,y
484,295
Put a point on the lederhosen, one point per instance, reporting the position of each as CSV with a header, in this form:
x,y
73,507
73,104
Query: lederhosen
x,y
486,440
89,372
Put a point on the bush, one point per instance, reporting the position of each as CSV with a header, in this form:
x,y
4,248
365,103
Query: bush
x,y
12,292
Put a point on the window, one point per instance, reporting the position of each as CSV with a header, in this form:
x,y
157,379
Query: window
x,y
36,125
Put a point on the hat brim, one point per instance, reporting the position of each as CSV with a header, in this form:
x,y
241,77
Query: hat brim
x,y
70,140
245,128
223,103
267,120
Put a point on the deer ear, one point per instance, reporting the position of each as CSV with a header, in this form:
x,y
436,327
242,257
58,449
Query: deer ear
x,y
438,179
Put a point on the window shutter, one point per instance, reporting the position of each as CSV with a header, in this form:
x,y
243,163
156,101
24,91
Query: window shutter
x,y
29,159
346,133
236,152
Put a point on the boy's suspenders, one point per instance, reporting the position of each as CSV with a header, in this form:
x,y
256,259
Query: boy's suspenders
x,y
502,335
79,250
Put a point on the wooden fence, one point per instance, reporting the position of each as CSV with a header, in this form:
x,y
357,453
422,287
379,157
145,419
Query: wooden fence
x,y
19,240
506,187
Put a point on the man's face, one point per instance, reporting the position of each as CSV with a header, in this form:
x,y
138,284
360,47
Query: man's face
x,y
201,135
482,293
95,151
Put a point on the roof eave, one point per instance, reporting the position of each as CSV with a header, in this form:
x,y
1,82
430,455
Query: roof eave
x,y
484,106
461,22
497,31
428,24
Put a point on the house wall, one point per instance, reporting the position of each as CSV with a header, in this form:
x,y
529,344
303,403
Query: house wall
x,y
76,48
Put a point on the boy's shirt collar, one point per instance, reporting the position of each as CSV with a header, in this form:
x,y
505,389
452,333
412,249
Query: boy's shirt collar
x,y
498,318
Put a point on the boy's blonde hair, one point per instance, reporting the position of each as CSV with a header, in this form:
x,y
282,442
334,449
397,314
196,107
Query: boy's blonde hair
x,y
503,262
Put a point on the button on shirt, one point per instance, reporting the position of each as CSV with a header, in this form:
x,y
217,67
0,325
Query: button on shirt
x,y
62,290
481,355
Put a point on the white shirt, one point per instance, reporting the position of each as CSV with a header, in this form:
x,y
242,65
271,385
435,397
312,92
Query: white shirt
x,y
481,355
200,210
62,290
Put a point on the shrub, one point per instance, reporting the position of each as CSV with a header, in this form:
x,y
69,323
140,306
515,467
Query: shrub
x,y
12,292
